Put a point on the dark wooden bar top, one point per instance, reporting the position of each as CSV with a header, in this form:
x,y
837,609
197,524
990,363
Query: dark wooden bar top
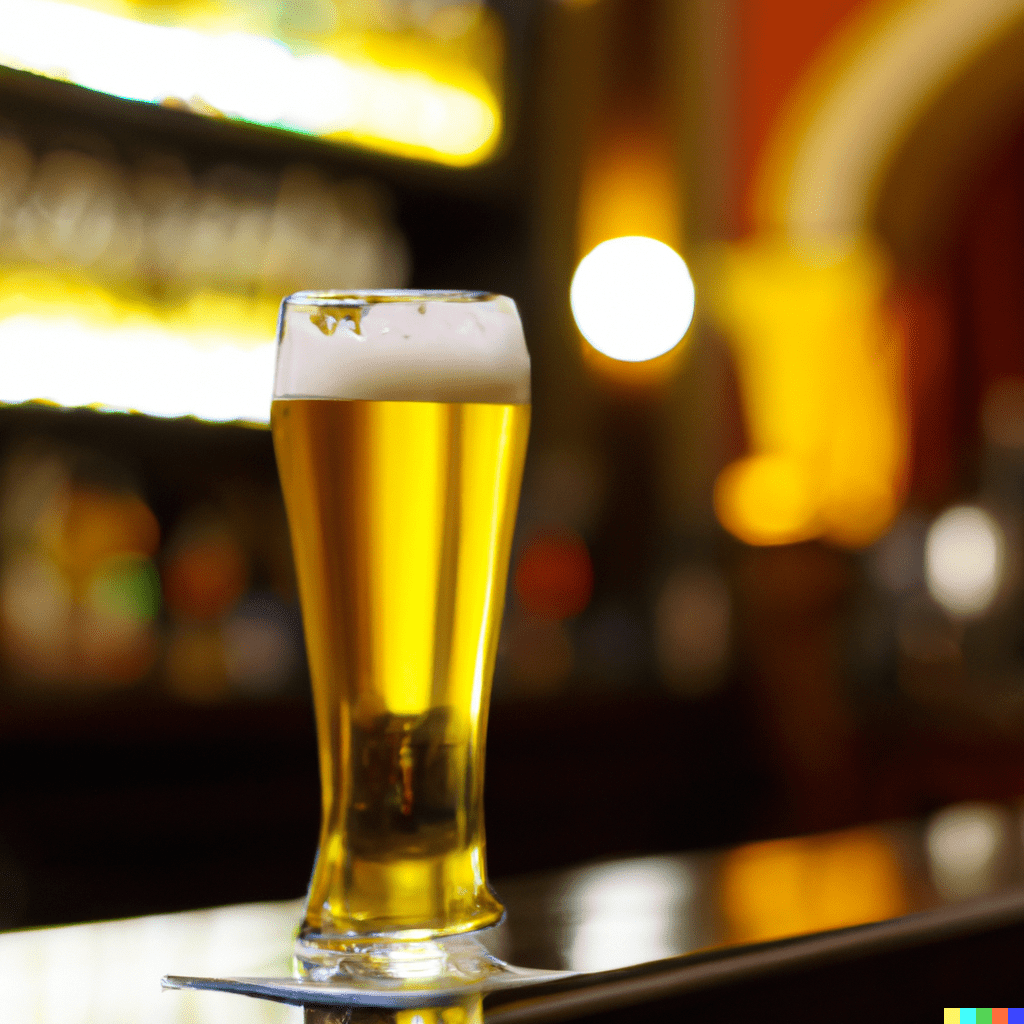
x,y
883,922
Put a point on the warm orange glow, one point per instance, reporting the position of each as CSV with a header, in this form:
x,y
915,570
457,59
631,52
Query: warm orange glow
x,y
638,378
768,499
860,98
819,364
97,525
79,592
818,361
630,187
796,886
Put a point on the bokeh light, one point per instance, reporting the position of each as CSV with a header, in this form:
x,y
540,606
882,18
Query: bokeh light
x,y
126,586
795,886
968,849
147,369
110,971
79,589
632,298
204,574
629,912
767,499
554,576
965,554
818,360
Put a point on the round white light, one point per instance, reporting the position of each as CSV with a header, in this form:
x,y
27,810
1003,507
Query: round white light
x,y
632,298
964,555
968,845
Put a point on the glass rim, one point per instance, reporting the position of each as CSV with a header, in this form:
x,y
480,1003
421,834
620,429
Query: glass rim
x,y
368,296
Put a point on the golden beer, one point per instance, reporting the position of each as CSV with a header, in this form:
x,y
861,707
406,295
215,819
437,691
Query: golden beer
x,y
401,516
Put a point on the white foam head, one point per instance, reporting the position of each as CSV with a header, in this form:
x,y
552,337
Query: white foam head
x,y
402,346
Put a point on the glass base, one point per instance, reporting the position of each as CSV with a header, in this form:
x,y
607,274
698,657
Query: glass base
x,y
386,973
450,962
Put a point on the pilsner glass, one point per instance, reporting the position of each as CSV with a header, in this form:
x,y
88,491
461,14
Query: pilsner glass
x,y
400,422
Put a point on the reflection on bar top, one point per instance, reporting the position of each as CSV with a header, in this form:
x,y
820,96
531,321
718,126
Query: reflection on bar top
x,y
590,918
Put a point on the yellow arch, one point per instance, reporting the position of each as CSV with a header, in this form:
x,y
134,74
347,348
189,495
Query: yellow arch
x,y
846,119
817,357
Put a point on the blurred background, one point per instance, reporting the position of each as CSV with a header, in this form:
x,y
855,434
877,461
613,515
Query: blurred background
x,y
767,579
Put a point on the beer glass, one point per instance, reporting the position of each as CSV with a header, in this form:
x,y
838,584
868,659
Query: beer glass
x,y
400,422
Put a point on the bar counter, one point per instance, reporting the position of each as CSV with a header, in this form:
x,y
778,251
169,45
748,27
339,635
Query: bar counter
x,y
888,921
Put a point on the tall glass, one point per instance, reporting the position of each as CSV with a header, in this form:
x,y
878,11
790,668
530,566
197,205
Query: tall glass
x,y
400,422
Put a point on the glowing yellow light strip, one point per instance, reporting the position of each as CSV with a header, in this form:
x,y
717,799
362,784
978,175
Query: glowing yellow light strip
x,y
212,359
140,369
402,110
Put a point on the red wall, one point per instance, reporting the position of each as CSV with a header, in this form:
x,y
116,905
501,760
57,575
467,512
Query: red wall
x,y
777,41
